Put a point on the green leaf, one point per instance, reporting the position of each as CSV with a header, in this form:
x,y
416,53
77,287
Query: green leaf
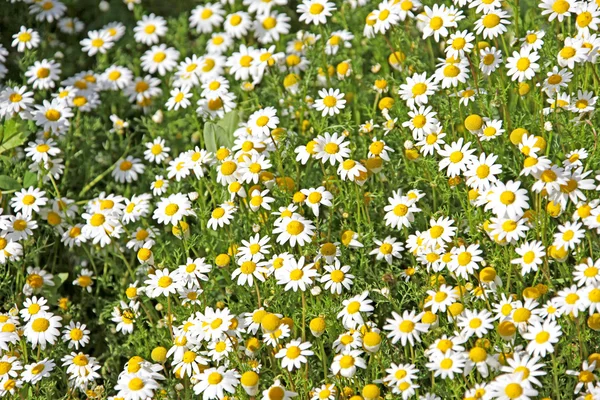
x,y
9,129
14,141
30,179
229,123
210,137
8,183
61,278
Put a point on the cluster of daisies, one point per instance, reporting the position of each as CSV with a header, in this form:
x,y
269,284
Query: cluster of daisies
x,y
338,219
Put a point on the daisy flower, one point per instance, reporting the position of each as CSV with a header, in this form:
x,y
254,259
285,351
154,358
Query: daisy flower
x,y
569,235
556,9
347,362
206,17
332,148
26,38
317,197
156,151
149,29
570,300
128,169
277,392
220,216
315,11
354,309
35,372
330,103
32,306
162,282
490,59
294,354
542,337
492,24
262,122
336,278
42,329
295,229
172,209
76,335
97,42
441,299
161,59
417,89
511,386
387,249
532,254
238,24
247,271
406,328
522,64
477,323
15,100
456,158
508,199
441,231
465,260
384,17
27,201
436,21
446,365
296,275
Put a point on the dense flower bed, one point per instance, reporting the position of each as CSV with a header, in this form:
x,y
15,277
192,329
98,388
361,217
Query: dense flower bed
x,y
264,199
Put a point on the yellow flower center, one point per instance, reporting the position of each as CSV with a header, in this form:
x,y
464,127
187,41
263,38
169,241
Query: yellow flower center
x,y
346,362
491,21
513,390
97,219
561,6
419,89
316,9
76,334
456,156
295,228
292,352
159,57
164,281
52,115
40,325
436,23
330,101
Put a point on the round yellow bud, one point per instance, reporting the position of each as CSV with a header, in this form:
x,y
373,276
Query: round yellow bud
x,y
371,392
411,154
222,260
473,122
506,329
270,322
594,357
249,378
553,209
482,45
531,293
517,135
455,309
396,58
524,88
317,326
594,322
159,354
386,103
428,318
487,275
